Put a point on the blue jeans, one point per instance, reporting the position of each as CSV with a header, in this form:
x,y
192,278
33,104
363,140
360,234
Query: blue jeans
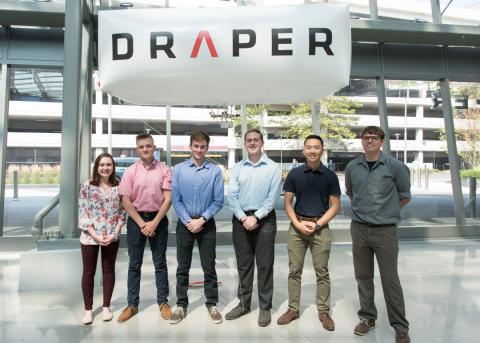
x,y
136,247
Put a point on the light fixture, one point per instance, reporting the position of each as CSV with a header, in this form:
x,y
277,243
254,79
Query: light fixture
x,y
222,114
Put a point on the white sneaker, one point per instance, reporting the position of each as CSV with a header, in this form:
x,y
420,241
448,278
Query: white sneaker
x,y
107,314
87,318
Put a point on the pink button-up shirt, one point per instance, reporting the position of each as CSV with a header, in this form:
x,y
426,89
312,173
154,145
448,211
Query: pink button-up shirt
x,y
145,185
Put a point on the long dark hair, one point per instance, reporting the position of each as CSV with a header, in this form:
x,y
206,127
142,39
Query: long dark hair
x,y
96,177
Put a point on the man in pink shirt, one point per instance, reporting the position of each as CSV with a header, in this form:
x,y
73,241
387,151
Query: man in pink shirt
x,y
146,196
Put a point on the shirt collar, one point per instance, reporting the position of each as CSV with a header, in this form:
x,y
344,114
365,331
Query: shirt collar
x,y
308,170
206,164
381,159
151,166
263,159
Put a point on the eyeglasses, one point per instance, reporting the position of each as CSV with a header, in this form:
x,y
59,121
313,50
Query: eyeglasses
x,y
253,140
371,138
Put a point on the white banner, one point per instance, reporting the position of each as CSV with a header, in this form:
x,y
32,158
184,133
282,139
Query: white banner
x,y
224,56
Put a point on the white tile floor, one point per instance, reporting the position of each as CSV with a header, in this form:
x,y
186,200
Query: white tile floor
x,y
441,283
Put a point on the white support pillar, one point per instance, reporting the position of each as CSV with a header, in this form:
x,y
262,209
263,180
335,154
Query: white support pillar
x,y
315,109
232,144
99,126
244,128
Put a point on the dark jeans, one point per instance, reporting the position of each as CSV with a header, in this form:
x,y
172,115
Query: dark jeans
x,y
383,243
206,240
136,247
89,258
255,246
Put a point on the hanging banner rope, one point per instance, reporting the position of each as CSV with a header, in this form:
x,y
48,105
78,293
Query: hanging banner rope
x,y
223,56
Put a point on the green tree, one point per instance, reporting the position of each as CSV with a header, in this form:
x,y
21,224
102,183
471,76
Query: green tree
x,y
467,126
335,119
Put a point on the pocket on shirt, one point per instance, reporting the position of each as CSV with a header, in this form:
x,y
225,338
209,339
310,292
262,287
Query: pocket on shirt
x,y
383,184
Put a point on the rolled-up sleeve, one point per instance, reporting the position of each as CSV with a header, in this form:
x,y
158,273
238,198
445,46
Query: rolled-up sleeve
x,y
402,182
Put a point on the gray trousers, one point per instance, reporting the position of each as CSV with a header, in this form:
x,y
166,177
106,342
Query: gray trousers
x,y
383,243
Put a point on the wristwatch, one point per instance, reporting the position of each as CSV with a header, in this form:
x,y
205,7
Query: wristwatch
x,y
204,218
317,227
258,219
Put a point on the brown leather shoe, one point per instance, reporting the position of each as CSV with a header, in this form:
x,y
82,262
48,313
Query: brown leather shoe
x,y
401,337
327,321
288,316
364,326
165,311
127,313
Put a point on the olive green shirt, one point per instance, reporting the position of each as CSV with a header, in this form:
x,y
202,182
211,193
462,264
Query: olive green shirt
x,y
375,194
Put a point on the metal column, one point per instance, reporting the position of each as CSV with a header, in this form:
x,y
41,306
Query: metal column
x,y
383,113
4,98
452,152
373,9
315,110
86,98
243,113
75,69
168,127
436,13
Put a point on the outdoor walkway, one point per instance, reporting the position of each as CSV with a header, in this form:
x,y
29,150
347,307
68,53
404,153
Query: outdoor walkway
x,y
440,283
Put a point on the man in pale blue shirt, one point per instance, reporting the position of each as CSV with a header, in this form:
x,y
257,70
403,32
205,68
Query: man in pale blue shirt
x,y
254,189
197,196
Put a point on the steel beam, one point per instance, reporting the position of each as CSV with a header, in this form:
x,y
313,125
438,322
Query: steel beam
x,y
452,152
4,98
383,113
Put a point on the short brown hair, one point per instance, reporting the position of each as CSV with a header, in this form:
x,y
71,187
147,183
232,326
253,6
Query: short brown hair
x,y
143,136
96,177
199,136
374,130
255,130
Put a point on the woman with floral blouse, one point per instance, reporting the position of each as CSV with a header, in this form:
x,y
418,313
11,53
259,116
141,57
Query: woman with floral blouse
x,y
101,218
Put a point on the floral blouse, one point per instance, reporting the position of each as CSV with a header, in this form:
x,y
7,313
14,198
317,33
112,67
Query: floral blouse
x,y
102,209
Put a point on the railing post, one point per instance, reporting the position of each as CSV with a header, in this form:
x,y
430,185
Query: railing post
x,y
15,185
473,197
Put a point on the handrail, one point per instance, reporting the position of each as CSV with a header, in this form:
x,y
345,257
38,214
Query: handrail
x,y
37,227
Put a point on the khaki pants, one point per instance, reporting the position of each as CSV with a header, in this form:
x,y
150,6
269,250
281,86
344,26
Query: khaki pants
x,y
319,244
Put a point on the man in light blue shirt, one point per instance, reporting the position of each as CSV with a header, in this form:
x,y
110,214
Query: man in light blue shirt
x,y
254,189
197,196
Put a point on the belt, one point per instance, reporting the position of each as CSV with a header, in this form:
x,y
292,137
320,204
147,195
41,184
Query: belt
x,y
147,213
308,219
371,225
250,212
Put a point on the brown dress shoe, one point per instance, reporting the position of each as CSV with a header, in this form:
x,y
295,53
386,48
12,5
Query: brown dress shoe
x,y
165,311
288,316
401,337
127,313
327,321
364,326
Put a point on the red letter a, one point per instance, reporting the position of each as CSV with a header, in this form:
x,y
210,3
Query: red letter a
x,y
203,35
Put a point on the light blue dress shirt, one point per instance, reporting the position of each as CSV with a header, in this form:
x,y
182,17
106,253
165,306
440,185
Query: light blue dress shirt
x,y
254,186
197,191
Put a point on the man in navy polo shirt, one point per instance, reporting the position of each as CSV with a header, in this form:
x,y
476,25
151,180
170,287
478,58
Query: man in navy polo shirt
x,y
317,193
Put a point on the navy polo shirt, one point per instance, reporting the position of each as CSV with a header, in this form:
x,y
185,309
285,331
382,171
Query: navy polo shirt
x,y
312,189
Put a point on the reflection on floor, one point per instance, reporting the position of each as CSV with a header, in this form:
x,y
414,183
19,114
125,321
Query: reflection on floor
x,y
440,281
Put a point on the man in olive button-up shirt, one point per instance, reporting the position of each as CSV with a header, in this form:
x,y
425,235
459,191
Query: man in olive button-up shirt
x,y
378,186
